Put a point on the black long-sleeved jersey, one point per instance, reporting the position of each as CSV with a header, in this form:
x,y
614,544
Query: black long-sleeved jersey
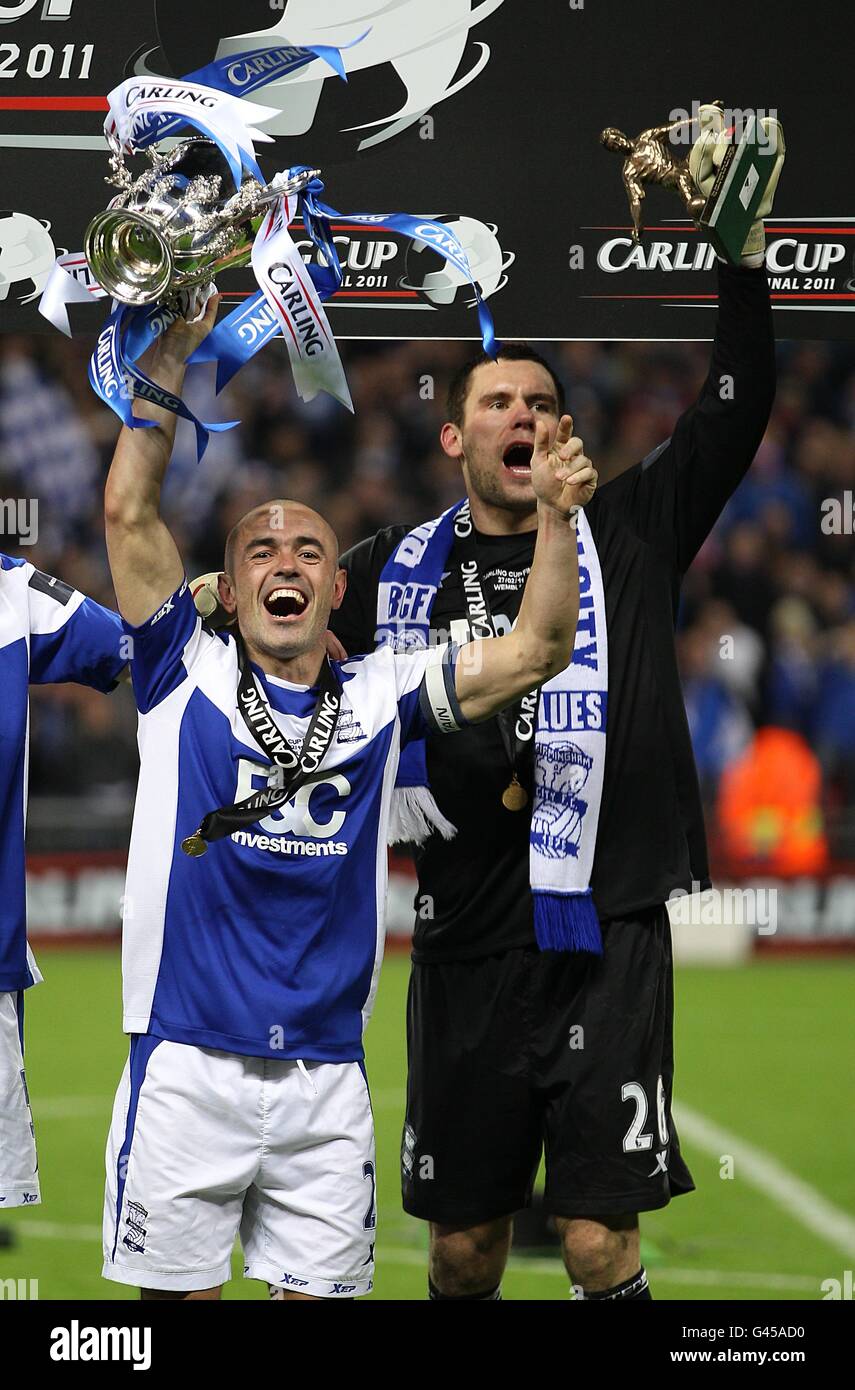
x,y
648,524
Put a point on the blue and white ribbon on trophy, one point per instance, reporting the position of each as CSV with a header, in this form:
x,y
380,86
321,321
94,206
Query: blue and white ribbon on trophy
x,y
113,376
144,111
290,287
289,300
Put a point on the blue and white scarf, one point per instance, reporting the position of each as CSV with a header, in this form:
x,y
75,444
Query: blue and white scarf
x,y
570,737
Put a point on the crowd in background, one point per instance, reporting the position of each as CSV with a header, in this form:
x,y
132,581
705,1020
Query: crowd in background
x,y
767,622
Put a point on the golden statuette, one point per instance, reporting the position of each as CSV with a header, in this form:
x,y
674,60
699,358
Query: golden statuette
x,y
650,158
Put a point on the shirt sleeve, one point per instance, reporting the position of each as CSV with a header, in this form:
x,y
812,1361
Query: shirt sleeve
x,y
163,650
427,698
72,638
675,496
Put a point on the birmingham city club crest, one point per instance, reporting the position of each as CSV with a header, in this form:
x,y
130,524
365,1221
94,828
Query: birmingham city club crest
x,y
556,822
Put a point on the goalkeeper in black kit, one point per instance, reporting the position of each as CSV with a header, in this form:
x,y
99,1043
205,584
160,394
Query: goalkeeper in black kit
x,y
549,839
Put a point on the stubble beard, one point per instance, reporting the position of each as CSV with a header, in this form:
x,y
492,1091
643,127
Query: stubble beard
x,y
487,486
258,640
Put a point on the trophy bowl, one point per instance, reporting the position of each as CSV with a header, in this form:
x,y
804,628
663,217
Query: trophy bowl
x,y
171,228
129,256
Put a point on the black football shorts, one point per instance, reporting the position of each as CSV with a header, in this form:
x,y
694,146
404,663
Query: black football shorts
x,y
529,1052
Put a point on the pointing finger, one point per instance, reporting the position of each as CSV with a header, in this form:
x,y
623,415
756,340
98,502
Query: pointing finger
x,y
564,431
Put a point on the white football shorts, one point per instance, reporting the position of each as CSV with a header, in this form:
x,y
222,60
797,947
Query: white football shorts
x,y
19,1176
205,1146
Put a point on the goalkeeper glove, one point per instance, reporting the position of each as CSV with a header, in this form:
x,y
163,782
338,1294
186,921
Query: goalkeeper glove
x,y
706,156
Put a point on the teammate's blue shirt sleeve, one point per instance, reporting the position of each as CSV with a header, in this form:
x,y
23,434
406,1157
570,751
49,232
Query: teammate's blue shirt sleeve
x,y
158,649
85,646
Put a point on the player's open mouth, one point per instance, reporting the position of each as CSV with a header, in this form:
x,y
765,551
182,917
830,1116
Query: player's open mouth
x,y
517,459
286,602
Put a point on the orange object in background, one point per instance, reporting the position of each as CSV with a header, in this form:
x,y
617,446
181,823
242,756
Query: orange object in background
x,y
769,805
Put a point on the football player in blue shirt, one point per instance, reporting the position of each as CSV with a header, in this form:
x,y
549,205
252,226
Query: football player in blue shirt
x,y
253,925
48,632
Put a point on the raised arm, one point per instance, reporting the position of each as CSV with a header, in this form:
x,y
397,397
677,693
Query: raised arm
x,y
675,496
715,441
661,132
494,672
144,559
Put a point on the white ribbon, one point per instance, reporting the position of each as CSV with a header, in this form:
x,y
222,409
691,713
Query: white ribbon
x,y
228,119
70,282
287,287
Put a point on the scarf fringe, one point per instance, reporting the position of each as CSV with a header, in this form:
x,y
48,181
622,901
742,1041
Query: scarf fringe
x,y
416,816
567,922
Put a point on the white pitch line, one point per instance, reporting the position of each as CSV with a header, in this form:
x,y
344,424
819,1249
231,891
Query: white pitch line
x,y
70,1107
54,1230
727,1278
798,1198
403,1255
802,1202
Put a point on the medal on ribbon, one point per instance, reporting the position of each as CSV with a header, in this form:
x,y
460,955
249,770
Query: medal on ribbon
x,y
296,768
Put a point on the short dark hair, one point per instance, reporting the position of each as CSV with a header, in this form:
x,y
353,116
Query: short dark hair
x,y
508,352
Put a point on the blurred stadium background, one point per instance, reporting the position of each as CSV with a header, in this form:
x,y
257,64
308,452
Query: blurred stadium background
x,y
767,649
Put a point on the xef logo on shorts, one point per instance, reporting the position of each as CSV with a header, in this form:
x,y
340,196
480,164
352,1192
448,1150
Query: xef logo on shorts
x,y
76,1343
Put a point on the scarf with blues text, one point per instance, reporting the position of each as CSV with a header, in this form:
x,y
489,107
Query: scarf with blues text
x,y
570,736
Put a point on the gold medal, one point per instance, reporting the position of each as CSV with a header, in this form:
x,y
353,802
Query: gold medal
x,y
514,797
194,845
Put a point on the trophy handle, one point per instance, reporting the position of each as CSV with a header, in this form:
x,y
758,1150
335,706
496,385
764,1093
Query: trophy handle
x,y
281,185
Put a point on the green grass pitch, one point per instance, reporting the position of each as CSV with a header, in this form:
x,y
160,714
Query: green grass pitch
x,y
764,1054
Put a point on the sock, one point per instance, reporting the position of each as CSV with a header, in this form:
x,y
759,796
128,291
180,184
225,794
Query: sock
x,y
489,1296
636,1287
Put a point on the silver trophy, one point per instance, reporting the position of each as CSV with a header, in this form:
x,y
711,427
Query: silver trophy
x,y
171,228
